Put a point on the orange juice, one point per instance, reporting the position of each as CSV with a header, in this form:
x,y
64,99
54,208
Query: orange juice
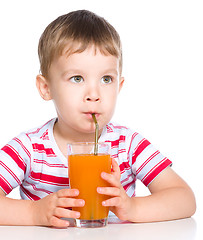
x,y
85,175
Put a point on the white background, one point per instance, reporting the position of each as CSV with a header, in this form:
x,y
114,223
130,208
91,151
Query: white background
x,y
163,68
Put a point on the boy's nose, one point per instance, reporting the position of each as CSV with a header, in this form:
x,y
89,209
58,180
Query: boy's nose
x,y
92,98
92,94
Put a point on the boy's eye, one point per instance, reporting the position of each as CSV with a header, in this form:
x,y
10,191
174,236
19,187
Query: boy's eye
x,y
76,79
106,79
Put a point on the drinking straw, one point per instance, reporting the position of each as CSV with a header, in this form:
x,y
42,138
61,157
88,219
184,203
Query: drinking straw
x,y
96,134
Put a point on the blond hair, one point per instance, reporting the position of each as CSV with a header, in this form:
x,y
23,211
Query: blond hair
x,y
77,30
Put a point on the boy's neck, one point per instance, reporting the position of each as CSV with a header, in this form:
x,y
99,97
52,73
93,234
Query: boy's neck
x,y
61,135
62,138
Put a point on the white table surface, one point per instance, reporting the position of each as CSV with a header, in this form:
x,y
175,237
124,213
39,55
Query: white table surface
x,y
185,229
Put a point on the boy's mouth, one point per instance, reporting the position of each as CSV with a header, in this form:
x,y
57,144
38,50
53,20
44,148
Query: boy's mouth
x,y
89,114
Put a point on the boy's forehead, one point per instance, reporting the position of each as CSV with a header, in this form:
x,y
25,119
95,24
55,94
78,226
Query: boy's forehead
x,y
89,61
90,55
77,48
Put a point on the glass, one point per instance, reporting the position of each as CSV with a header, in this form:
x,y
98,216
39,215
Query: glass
x,y
85,168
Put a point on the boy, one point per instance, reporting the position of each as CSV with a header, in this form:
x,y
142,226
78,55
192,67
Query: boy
x,y
81,64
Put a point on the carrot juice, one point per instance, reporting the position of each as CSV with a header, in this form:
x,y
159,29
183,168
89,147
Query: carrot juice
x,y
85,175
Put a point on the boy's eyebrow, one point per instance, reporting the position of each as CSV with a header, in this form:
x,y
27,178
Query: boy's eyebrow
x,y
80,71
112,70
72,71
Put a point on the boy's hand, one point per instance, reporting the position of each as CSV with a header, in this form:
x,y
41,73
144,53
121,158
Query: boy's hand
x,y
49,210
120,203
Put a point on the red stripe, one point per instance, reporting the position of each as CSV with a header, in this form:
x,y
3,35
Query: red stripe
x,y
23,147
148,160
50,179
39,189
127,186
5,185
124,166
141,146
133,195
15,156
11,172
118,127
121,151
133,137
29,194
49,164
115,144
114,156
155,171
109,129
40,148
36,131
127,178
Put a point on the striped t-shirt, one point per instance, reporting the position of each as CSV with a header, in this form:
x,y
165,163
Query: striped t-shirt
x,y
34,162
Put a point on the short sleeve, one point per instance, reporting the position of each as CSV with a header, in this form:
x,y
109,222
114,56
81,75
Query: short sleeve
x,y
147,162
14,162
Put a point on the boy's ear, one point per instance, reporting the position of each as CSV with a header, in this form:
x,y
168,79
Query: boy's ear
x,y
122,80
43,87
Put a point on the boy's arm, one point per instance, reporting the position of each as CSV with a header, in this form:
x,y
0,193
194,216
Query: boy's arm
x,y
47,211
15,212
171,198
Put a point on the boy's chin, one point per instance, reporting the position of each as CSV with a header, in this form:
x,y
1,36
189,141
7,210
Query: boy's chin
x,y
85,129
88,130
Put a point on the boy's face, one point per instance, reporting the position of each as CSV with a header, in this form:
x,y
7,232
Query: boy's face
x,y
82,84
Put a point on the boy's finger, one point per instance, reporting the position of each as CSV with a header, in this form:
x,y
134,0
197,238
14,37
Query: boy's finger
x,y
70,202
110,178
67,193
59,223
115,168
112,202
110,191
66,213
